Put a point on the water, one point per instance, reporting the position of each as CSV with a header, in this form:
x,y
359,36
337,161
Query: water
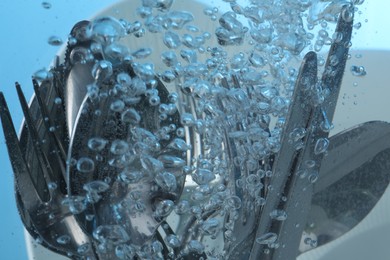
x,y
217,128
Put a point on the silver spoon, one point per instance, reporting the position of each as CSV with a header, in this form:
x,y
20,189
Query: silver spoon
x,y
135,177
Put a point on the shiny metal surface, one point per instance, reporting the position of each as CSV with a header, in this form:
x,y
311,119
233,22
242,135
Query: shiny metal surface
x,y
289,161
141,227
39,181
82,123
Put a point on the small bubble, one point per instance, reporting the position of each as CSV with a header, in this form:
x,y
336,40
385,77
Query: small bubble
x,y
46,5
52,185
58,101
278,214
43,75
321,145
55,40
166,180
117,105
85,165
63,240
358,71
76,204
102,70
154,100
233,202
84,248
97,143
310,163
131,116
142,53
347,14
195,246
107,30
267,238
313,177
119,147
171,40
163,208
180,132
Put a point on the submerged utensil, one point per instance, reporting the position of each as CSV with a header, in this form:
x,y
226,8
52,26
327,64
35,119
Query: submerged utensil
x,y
126,165
39,183
315,120
353,176
124,169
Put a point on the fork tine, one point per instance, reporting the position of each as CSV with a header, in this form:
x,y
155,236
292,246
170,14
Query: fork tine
x,y
45,114
43,162
299,115
334,69
300,191
23,177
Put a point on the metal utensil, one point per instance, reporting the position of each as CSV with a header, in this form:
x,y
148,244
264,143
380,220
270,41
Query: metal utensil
x,y
141,225
38,182
106,183
353,176
289,162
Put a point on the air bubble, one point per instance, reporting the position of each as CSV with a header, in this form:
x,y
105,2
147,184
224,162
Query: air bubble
x,y
358,71
203,176
124,251
128,176
163,208
233,202
63,240
267,239
142,53
321,145
84,249
102,70
107,30
97,144
96,186
43,75
46,5
195,246
131,116
85,165
210,227
58,101
119,147
76,204
173,241
278,214
179,19
167,181
55,40
171,40
114,234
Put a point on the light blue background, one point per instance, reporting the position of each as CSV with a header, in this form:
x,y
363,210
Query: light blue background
x,y
25,28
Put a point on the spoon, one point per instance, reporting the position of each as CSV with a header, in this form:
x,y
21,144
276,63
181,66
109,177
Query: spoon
x,y
128,176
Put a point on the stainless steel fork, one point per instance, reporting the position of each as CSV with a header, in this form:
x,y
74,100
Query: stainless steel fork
x,y
38,163
315,119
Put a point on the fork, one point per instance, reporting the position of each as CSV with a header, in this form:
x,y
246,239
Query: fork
x,y
314,118
38,171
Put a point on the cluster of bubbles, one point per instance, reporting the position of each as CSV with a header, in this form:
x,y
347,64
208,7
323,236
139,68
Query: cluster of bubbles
x,y
204,148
